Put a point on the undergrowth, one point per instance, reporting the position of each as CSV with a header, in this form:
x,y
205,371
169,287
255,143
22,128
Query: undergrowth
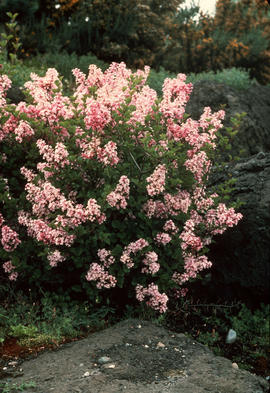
x,y
55,319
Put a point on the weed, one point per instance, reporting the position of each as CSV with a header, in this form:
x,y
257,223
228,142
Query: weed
x,y
14,387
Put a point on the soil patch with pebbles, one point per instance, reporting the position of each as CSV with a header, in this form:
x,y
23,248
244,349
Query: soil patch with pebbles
x,y
135,356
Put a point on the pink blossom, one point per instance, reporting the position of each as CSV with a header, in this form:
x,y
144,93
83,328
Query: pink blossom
x,y
199,165
97,115
28,174
9,268
23,130
5,84
97,273
156,182
193,265
155,209
57,156
180,202
154,299
175,96
143,101
1,220
10,239
55,257
118,197
133,247
169,226
150,262
108,155
163,238
105,257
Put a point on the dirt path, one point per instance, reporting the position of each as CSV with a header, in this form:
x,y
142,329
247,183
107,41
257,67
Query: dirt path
x,y
135,357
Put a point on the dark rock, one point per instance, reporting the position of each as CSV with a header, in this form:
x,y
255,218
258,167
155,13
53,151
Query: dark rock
x,y
241,256
15,95
254,134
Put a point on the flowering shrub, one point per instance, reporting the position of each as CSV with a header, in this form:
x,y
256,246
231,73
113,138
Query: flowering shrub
x,y
107,187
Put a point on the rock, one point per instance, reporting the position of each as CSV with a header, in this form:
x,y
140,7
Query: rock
x,y
160,345
104,359
254,134
235,365
241,256
138,369
109,365
231,336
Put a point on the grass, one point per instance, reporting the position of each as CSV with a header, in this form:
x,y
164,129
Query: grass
x,y
7,387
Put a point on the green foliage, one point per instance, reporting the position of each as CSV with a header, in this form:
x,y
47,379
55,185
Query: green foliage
x,y
233,77
253,329
10,41
156,79
210,323
7,387
65,62
20,73
47,318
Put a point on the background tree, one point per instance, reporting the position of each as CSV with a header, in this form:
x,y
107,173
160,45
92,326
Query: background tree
x,y
237,36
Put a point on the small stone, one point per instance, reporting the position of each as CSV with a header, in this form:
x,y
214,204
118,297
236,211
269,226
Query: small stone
x,y
160,345
231,336
95,372
86,374
14,363
109,365
146,346
104,359
139,326
4,368
176,349
235,365
81,365
128,345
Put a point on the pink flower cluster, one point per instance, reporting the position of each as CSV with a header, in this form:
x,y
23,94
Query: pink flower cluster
x,y
1,220
23,130
97,115
5,84
55,158
133,247
170,226
156,182
150,262
105,257
193,265
101,276
154,299
90,150
55,257
118,197
9,268
163,238
10,239
41,230
172,205
199,165
221,218
175,96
